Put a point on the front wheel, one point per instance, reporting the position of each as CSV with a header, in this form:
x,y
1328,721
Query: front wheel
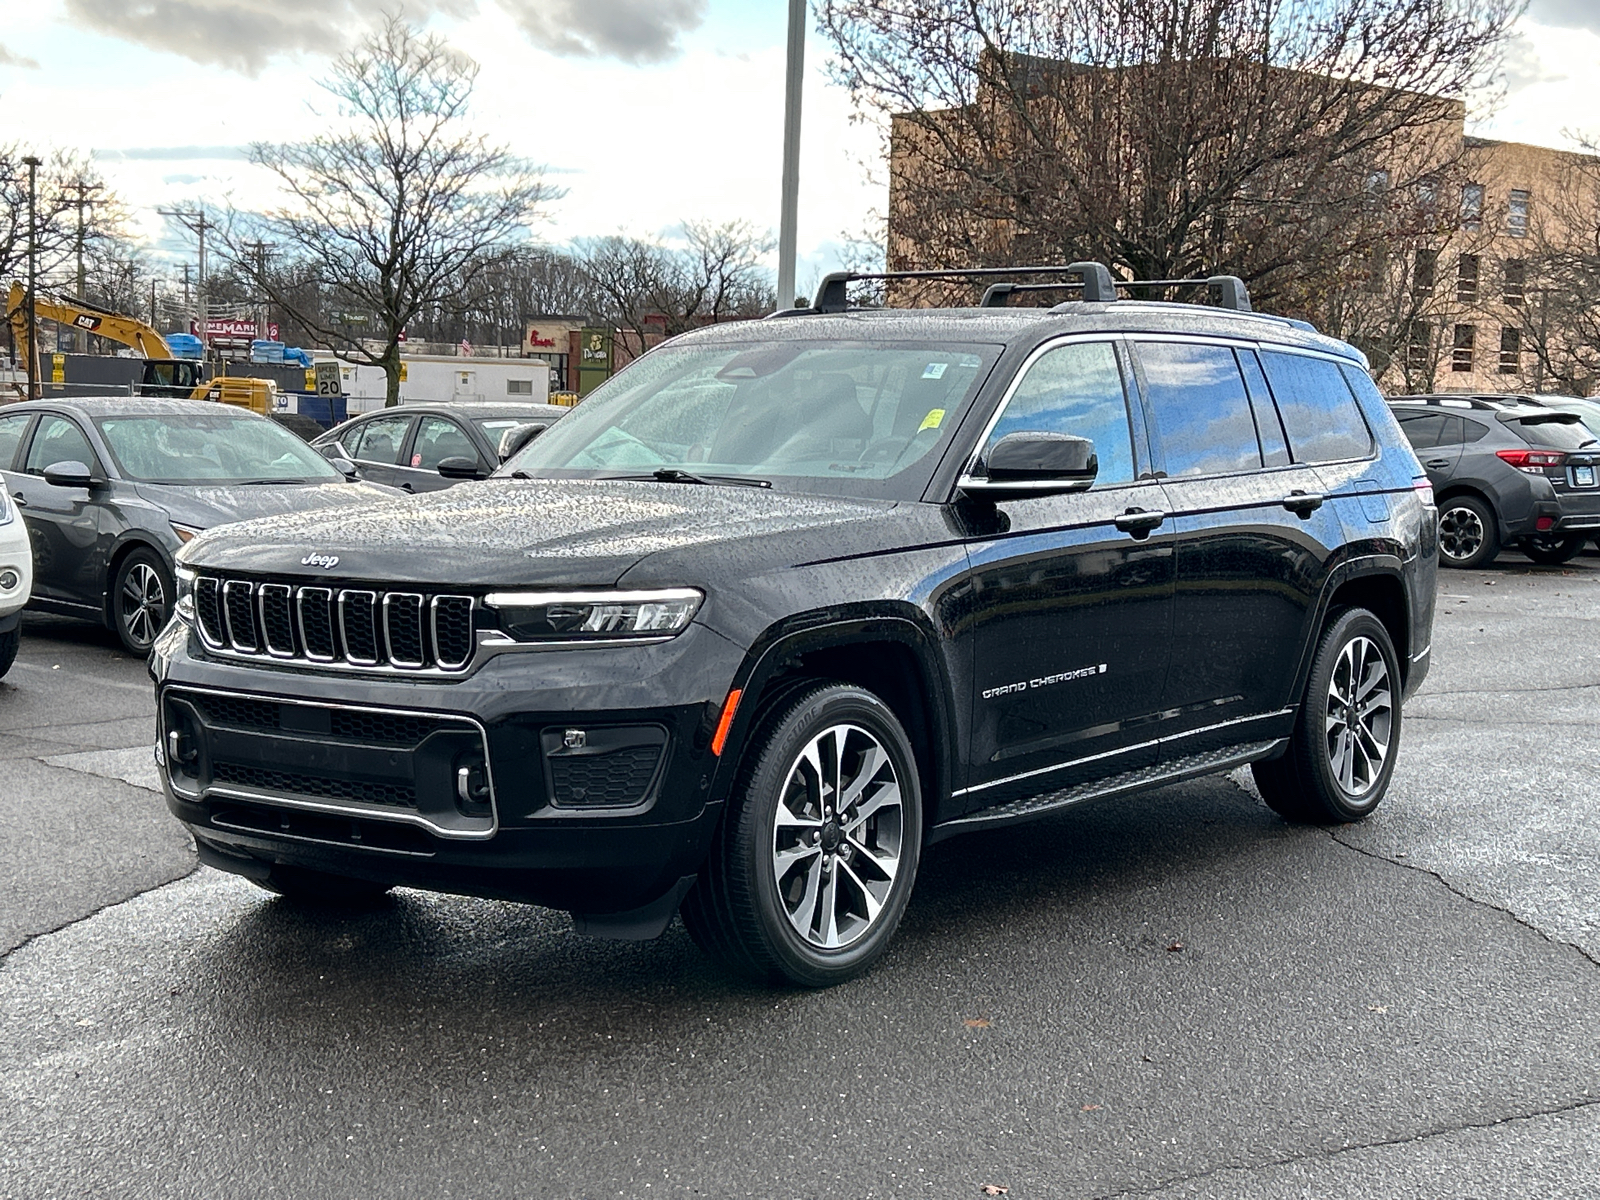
x,y
1551,549
1342,750
816,855
141,600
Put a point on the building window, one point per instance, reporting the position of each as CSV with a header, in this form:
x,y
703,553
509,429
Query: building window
x,y
1422,275
1472,206
519,387
1428,196
1461,353
1516,288
1517,215
1419,345
1467,278
1510,351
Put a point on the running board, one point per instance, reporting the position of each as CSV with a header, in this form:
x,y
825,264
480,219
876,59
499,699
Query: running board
x,y
1143,779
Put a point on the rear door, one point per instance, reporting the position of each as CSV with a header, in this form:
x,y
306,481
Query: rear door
x,y
1254,535
1437,438
1071,615
378,447
64,524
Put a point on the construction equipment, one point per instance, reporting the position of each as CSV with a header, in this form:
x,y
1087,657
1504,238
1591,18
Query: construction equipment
x,y
164,375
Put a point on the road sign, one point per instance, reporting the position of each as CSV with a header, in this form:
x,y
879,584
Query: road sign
x,y
328,379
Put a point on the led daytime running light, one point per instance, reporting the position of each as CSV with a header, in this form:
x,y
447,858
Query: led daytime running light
x,y
577,616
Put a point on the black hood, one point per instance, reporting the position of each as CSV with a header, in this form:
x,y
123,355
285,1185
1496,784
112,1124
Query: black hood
x,y
527,533
205,507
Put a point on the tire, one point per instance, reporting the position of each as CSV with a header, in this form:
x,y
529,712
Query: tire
x,y
1468,535
9,642
305,886
141,600
1326,777
789,893
1552,550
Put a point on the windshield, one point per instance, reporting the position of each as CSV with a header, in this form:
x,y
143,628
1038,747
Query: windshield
x,y
220,448
1559,431
858,418
495,426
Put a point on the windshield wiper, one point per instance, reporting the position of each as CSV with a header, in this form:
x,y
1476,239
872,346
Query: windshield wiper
x,y
261,482
674,475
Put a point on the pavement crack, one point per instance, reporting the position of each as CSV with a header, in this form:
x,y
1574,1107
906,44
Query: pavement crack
x,y
44,933
1555,687
1469,898
1329,1155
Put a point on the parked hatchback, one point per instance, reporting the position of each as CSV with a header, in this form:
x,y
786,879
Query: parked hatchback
x,y
425,447
1505,472
110,489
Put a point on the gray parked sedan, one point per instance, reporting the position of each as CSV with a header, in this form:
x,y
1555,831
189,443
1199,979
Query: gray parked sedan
x,y
425,447
111,488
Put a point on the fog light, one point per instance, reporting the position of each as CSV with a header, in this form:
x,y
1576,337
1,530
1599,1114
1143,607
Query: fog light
x,y
9,579
1544,524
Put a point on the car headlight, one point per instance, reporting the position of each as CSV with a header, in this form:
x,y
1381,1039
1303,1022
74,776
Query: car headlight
x,y
186,533
6,511
183,606
597,616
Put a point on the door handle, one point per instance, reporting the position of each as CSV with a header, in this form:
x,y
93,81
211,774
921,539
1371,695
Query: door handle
x,y
1437,464
405,487
20,499
1303,503
1139,522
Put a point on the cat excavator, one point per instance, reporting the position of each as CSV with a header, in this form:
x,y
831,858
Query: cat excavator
x,y
164,374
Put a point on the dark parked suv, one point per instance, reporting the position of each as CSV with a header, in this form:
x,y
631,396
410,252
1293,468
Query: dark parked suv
x,y
786,601
1507,470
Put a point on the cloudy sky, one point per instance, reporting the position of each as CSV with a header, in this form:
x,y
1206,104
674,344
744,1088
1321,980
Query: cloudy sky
x,y
648,112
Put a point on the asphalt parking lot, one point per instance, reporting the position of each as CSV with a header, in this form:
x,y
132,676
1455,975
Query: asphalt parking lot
x,y
1174,996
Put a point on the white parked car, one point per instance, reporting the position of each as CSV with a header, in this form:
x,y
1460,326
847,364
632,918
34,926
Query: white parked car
x,y
16,579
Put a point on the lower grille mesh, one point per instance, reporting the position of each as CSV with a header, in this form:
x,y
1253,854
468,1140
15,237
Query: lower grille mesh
x,y
394,795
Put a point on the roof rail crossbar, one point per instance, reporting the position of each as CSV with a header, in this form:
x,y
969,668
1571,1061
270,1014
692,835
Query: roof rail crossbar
x,y
1094,279
1227,291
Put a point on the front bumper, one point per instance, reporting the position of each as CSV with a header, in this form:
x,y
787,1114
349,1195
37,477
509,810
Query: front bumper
x,y
16,558
576,778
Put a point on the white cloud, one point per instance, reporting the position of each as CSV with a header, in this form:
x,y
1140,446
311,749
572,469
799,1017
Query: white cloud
x,y
8,59
631,31
1572,14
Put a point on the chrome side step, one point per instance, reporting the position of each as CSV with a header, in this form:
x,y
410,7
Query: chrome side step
x,y
1141,780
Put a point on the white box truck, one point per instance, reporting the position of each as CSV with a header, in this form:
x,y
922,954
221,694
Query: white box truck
x,y
446,378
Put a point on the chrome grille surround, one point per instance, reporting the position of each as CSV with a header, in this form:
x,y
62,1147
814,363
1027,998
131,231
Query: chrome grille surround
x,y
363,629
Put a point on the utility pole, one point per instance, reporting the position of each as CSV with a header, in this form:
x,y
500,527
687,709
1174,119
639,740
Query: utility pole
x,y
790,207
196,223
258,254
80,337
34,163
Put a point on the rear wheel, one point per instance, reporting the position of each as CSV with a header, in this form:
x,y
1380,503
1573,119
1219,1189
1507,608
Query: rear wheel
x,y
1552,549
1342,750
1467,533
318,887
816,855
141,600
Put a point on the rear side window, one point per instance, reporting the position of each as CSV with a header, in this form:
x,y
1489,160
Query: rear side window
x,y
1471,431
1320,413
1424,430
1557,435
381,440
1201,410
11,430
1274,447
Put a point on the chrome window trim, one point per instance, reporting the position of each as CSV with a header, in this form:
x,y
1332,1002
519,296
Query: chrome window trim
x,y
350,810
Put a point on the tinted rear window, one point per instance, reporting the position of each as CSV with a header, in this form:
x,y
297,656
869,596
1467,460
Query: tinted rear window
x,y
1201,410
1320,413
1423,430
1558,435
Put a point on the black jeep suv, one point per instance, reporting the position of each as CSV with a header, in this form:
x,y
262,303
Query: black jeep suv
x,y
786,601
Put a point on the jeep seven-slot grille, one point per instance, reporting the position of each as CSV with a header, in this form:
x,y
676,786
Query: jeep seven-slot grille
x,y
346,627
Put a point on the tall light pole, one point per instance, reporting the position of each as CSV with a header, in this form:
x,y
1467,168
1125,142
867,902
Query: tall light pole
x,y
790,216
83,200
34,163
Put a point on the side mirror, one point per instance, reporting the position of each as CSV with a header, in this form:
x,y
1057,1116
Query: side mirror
x,y
1022,465
515,438
459,466
69,474
344,466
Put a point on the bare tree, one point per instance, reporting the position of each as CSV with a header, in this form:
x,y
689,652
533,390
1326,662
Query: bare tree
x,y
400,210
1168,139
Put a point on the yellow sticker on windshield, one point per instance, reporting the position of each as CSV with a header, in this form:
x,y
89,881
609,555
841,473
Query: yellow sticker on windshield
x,y
933,420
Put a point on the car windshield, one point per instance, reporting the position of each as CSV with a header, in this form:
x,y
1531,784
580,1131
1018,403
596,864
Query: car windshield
x,y
210,448
858,418
495,426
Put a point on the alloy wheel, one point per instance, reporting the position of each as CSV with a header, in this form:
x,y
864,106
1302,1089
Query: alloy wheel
x,y
837,836
144,603
1360,718
1460,533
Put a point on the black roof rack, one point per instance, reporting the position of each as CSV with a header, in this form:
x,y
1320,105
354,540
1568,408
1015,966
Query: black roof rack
x,y
1483,401
1093,279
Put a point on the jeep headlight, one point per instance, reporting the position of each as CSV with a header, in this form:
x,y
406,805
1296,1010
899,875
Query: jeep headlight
x,y
596,616
183,606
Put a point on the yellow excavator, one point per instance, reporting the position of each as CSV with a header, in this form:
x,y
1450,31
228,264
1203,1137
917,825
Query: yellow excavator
x,y
164,375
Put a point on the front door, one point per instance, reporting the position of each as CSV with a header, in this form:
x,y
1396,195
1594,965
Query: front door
x,y
1072,614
